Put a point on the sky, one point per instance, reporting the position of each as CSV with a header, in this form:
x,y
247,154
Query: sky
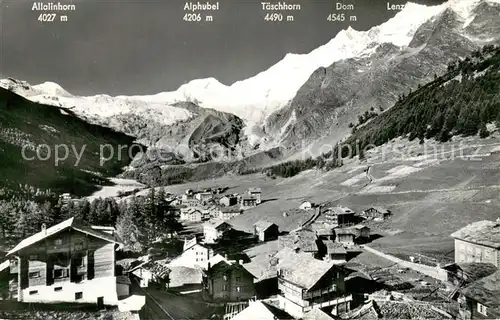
x,y
144,46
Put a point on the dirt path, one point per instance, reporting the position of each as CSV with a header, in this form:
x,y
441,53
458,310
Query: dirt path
x,y
434,272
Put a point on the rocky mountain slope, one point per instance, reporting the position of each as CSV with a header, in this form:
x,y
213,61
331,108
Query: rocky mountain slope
x,y
30,136
333,97
181,130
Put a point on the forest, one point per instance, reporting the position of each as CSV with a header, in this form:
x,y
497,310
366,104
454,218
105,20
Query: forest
x,y
140,222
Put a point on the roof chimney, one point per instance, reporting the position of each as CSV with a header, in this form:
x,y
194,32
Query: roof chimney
x,y
44,228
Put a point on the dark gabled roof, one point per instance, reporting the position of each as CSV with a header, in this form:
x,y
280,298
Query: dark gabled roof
x,y
263,225
70,223
224,266
485,291
484,232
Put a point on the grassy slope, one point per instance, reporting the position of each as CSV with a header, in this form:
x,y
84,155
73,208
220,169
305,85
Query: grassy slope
x,y
428,205
24,122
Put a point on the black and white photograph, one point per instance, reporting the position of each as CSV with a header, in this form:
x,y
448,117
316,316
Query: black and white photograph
x,y
249,160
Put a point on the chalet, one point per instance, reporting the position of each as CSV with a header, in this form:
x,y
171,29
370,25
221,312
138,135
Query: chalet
x,y
360,231
376,213
229,212
306,283
306,205
229,281
345,236
191,214
203,196
262,311
193,255
339,216
481,299
478,242
255,193
214,230
266,230
302,240
151,272
248,202
228,201
68,262
335,252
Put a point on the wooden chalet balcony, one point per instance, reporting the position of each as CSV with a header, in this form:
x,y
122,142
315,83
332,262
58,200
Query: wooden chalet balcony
x,y
319,293
329,303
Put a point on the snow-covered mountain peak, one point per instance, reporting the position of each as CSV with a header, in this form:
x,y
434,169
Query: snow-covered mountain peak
x,y
51,89
256,98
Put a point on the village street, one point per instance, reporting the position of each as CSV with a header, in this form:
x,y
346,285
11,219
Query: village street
x,y
161,304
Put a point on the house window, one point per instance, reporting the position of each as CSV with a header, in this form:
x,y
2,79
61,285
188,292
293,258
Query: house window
x,y
58,289
78,295
225,278
224,288
34,274
34,257
238,279
58,242
60,273
238,289
33,292
487,255
78,262
481,309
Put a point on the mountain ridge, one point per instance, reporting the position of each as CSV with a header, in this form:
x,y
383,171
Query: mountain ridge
x,y
266,97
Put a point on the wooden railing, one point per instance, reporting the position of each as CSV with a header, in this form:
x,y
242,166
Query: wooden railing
x,y
319,293
329,303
